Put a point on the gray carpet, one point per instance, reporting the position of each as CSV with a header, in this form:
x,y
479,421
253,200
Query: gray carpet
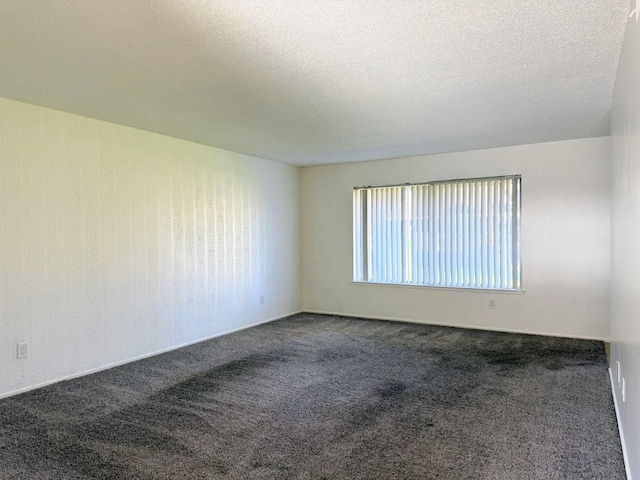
x,y
326,397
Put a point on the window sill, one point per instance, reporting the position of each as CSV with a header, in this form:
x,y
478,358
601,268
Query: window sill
x,y
432,287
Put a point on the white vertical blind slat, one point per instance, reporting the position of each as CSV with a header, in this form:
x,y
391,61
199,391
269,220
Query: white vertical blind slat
x,y
504,258
479,234
390,238
492,234
510,272
384,218
406,234
401,240
378,272
430,260
484,236
392,234
414,235
467,234
421,247
453,235
378,269
449,213
420,236
369,233
439,235
460,237
472,233
516,243
397,263
357,224
397,244
495,253
373,250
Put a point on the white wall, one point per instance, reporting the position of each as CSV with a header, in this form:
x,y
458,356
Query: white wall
x,y
116,243
565,240
625,258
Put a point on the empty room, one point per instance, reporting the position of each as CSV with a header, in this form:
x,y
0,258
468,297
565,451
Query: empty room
x,y
319,239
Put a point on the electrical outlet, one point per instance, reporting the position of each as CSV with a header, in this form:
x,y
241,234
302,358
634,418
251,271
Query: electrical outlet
x,y
618,371
492,304
624,391
262,299
23,350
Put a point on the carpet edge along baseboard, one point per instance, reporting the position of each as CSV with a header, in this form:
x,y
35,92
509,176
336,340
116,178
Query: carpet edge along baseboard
x,y
101,368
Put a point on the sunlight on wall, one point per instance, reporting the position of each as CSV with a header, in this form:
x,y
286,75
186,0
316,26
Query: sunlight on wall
x,y
115,243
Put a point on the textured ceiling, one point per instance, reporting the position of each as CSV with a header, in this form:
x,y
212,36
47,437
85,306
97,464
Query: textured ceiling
x,y
322,81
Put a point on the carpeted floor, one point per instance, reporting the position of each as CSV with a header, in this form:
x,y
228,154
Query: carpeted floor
x,y
326,397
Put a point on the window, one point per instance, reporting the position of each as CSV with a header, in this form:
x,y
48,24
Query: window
x,y
458,233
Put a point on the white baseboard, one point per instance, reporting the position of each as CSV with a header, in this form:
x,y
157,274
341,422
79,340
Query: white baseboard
x,y
625,454
140,357
457,325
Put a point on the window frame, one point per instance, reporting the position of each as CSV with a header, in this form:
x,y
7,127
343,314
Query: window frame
x,y
405,206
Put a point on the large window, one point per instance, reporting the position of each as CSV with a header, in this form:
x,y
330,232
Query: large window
x,y
458,233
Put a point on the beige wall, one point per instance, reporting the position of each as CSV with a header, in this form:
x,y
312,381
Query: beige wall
x,y
625,258
116,243
565,240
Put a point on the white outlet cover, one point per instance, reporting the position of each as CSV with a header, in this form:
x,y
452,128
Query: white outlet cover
x,y
22,350
618,370
624,393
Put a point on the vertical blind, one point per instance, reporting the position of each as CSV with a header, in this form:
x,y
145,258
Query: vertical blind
x,y
459,233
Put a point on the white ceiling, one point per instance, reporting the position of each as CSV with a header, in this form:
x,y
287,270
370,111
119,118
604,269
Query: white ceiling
x,y
322,81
